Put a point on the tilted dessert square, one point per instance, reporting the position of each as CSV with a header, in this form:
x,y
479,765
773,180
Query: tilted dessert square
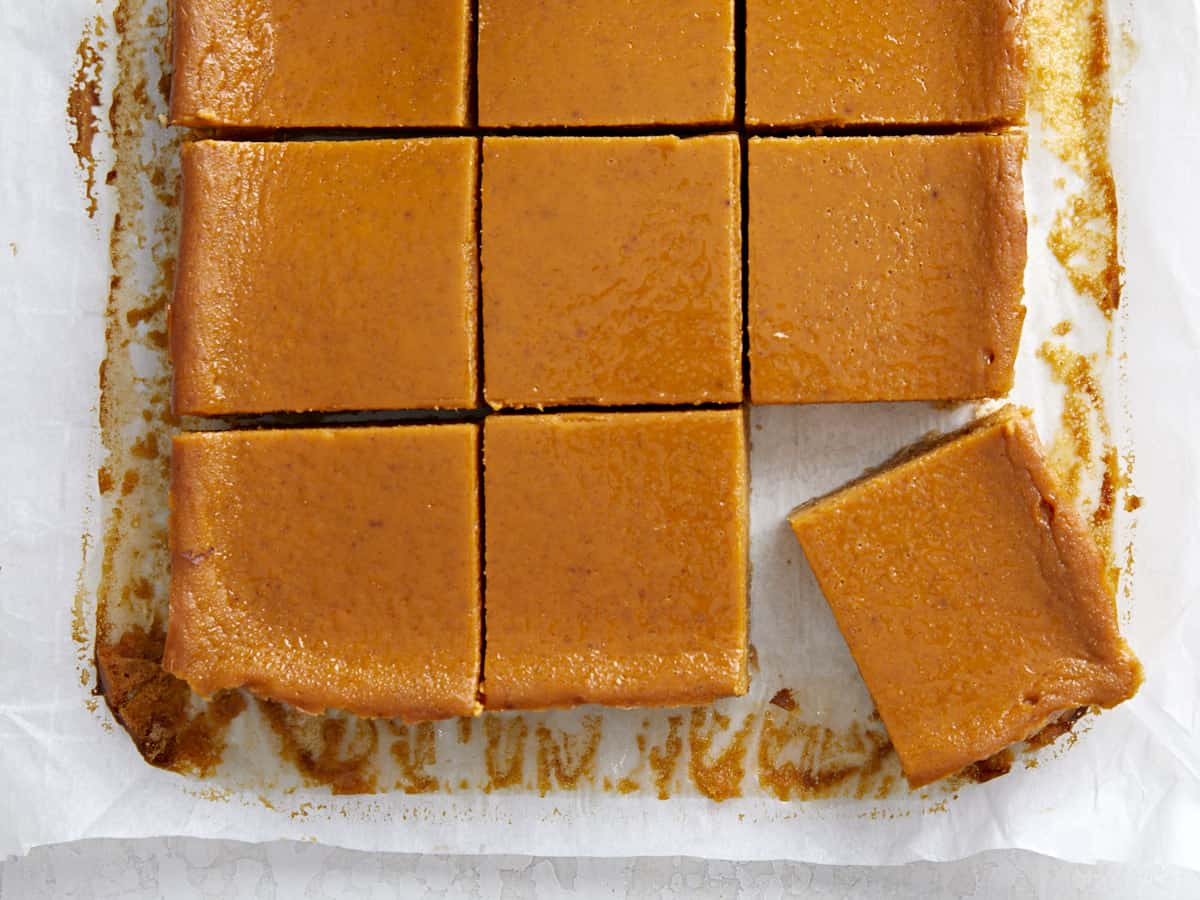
x,y
616,558
606,62
304,64
329,568
972,596
885,268
911,63
326,275
611,271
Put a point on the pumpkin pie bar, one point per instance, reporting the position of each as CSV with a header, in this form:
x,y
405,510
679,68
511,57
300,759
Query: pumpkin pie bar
x,y
885,268
605,62
306,63
329,567
326,275
616,558
611,271
913,63
971,594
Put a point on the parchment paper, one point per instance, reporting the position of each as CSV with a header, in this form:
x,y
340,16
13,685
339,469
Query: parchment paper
x,y
1128,790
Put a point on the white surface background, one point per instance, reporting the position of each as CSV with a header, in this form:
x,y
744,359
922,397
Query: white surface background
x,y
190,868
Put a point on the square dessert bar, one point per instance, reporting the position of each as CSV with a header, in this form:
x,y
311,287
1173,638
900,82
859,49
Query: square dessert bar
x,y
329,568
326,275
308,63
605,62
611,270
972,596
885,62
885,268
615,559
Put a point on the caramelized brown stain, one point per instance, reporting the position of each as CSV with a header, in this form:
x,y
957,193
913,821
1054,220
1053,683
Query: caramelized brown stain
x,y
83,101
135,420
664,758
717,777
145,447
337,752
630,783
1111,481
568,760
504,751
465,727
150,311
129,482
1083,452
799,760
1072,449
1056,730
783,699
415,752
158,710
986,769
80,633
1069,91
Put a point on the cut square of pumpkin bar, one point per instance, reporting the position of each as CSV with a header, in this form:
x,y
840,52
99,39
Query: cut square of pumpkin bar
x,y
971,594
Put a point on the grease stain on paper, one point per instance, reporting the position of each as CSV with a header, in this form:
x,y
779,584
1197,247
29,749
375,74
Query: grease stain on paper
x,y
504,751
1069,91
568,760
332,750
664,758
1063,727
801,760
1082,454
717,774
169,726
83,105
415,752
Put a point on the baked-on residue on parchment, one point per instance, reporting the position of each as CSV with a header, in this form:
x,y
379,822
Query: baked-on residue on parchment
x,y
771,748
801,760
568,761
1069,89
1082,453
1069,92
170,727
83,104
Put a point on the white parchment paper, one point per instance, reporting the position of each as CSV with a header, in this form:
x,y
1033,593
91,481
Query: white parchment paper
x,y
1128,790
